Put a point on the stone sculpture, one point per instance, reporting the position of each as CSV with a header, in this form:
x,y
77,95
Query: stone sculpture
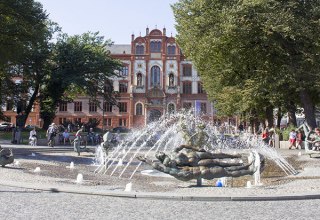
x,y
6,156
192,161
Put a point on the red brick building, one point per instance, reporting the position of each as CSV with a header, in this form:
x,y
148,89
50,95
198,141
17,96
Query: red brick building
x,y
155,79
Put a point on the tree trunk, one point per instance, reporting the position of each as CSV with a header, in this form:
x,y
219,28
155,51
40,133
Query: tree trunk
x,y
31,102
47,119
279,117
269,116
309,110
292,113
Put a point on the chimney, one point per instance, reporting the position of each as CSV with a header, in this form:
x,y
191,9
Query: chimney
x,y
164,31
147,31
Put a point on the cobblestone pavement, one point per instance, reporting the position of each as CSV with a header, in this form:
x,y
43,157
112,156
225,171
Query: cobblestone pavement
x,y
18,203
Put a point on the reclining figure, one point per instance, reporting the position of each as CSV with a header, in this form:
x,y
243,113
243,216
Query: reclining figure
x,y
189,162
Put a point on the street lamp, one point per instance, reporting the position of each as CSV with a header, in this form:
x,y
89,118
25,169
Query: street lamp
x,y
103,105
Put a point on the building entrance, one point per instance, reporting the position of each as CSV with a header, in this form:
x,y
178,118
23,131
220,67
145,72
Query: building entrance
x,y
154,115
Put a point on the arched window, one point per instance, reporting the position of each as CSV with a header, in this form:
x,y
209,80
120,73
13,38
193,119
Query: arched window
x,y
155,47
171,108
139,109
171,79
139,49
139,79
171,50
155,76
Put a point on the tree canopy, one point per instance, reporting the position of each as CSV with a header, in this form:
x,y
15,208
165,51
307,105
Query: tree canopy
x,y
52,70
253,55
23,24
81,66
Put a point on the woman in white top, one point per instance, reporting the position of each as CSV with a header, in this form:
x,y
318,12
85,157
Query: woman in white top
x,y
292,138
33,137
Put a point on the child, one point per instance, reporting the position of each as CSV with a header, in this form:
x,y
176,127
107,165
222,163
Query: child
x,y
292,138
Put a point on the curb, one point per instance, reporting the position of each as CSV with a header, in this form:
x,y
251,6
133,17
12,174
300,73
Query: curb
x,y
150,196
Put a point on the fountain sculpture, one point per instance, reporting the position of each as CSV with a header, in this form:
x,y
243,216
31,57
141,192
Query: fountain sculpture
x,y
6,156
192,161
187,147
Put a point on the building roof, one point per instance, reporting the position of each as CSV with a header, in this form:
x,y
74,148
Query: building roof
x,y
120,49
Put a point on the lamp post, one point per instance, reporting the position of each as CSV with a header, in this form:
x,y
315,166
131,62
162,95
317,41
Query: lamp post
x,y
103,105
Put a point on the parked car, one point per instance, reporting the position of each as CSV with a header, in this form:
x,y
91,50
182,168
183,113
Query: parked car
x,y
6,126
121,130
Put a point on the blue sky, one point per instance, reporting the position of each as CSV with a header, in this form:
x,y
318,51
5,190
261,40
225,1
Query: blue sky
x,y
114,19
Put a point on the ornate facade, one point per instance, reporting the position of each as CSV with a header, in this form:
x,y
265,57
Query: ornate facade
x,y
155,79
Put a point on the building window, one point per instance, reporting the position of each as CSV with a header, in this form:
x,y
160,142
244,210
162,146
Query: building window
x,y
171,50
171,108
92,107
187,106
139,79
139,109
107,107
203,108
155,47
187,70
63,107
124,71
122,107
78,106
200,88
9,105
155,76
62,121
139,49
122,122
187,88
108,88
107,122
171,79
123,87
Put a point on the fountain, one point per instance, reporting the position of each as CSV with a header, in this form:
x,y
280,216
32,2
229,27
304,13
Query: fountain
x,y
187,147
128,187
79,179
71,165
6,156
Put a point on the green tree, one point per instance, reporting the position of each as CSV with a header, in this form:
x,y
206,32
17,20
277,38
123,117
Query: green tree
x,y
82,66
22,23
256,54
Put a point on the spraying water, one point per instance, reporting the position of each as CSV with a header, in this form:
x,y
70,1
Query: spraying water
x,y
168,133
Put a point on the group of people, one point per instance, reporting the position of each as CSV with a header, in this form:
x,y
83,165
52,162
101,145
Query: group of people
x,y
64,137
295,139
268,136
314,139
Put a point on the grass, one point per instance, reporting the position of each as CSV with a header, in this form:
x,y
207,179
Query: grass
x,y
25,135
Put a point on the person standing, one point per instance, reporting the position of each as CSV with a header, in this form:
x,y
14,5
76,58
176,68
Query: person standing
x,y
51,133
33,137
66,136
265,136
272,137
91,137
299,139
77,141
292,138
